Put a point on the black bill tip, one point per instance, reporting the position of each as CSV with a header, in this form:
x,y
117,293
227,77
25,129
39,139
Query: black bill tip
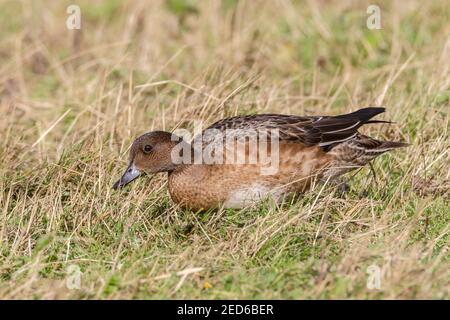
x,y
130,174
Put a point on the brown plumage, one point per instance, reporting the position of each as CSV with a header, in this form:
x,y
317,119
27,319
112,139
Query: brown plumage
x,y
307,149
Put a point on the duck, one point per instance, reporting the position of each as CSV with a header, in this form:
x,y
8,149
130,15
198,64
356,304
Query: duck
x,y
220,167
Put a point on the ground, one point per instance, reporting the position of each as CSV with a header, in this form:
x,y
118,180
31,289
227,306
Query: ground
x,y
72,101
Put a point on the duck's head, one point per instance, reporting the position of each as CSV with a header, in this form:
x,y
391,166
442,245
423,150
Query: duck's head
x,y
150,153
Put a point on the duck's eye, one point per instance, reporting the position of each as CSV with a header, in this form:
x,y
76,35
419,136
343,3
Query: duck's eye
x,y
147,148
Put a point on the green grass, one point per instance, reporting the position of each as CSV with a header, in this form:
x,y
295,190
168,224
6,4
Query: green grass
x,y
72,105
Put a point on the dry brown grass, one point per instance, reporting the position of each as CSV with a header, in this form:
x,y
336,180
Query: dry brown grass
x,y
72,102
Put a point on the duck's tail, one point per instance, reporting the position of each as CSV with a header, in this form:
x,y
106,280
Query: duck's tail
x,y
342,128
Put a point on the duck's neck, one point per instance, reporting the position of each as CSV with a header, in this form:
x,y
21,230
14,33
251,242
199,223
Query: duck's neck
x,y
181,182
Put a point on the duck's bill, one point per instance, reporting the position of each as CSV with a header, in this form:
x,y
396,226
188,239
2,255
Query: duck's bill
x,y
130,174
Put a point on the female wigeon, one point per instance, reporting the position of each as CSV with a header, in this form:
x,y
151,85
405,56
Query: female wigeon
x,y
244,159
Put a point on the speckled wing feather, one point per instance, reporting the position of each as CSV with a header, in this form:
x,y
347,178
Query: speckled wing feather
x,y
325,131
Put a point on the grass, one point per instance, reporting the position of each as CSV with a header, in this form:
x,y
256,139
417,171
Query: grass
x,y
72,101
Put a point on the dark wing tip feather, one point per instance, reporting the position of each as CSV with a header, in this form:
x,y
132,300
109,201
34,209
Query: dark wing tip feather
x,y
363,114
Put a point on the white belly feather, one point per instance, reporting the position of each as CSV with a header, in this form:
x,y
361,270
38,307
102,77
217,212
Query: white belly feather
x,y
248,195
